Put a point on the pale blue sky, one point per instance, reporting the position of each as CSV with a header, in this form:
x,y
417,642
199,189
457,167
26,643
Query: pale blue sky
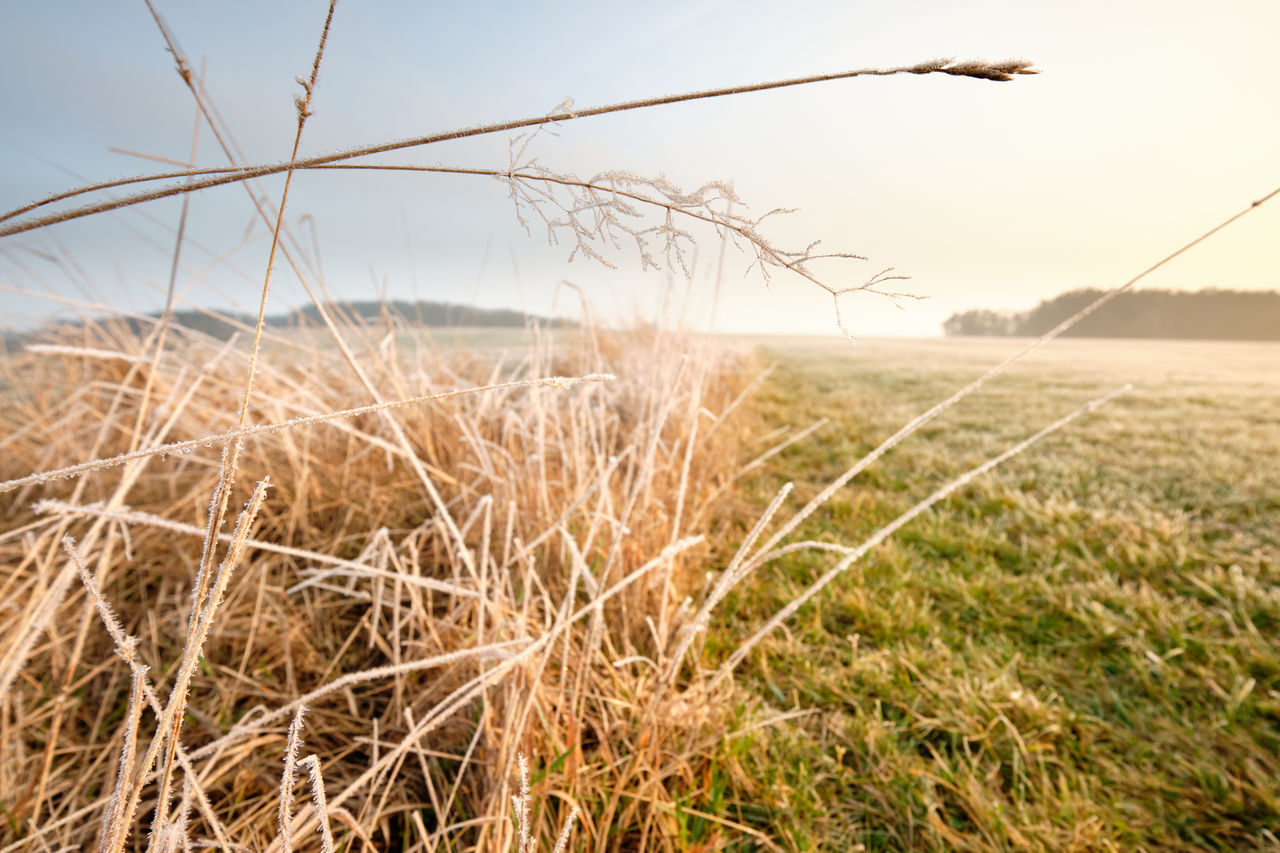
x,y
1151,120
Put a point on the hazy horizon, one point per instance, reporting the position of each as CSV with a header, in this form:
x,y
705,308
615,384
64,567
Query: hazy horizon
x,y
1146,126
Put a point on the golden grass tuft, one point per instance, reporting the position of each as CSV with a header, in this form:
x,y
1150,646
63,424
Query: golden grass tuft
x,y
536,613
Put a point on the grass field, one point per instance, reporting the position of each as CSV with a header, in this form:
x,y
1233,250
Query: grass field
x,y
364,587
1078,651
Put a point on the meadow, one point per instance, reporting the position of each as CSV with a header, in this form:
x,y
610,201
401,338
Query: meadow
x,y
1076,652
366,587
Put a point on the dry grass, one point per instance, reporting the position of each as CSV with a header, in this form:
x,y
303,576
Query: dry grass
x,y
532,612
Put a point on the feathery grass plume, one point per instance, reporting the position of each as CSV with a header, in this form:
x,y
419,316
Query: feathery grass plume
x,y
597,212
202,613
293,746
114,831
312,763
562,843
115,828
522,803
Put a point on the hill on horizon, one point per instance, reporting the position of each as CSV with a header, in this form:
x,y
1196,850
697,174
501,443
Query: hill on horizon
x,y
223,324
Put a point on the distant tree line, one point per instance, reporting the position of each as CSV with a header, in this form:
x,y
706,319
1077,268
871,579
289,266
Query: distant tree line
x,y
1232,315
368,311
223,324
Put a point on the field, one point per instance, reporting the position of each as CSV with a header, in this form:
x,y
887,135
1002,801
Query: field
x,y
364,586
1076,652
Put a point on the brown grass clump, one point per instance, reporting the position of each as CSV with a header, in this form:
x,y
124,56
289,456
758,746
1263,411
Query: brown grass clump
x,y
534,610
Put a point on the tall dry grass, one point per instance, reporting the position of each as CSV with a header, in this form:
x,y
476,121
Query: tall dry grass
x,y
534,611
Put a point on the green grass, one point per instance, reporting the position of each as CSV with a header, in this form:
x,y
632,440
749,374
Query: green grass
x,y
1077,652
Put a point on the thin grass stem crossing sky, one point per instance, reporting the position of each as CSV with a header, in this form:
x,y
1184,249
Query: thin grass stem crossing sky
x,y
1148,122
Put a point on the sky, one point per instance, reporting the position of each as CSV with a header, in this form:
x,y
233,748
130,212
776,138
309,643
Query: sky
x,y
1150,122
